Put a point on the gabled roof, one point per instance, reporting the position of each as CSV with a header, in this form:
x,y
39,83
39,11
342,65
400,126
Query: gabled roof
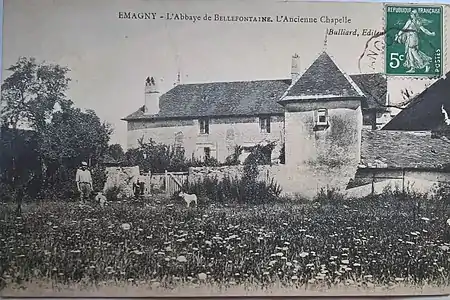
x,y
323,79
248,97
220,99
403,150
374,87
424,110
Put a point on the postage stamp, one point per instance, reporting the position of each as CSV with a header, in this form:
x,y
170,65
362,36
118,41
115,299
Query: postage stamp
x,y
414,40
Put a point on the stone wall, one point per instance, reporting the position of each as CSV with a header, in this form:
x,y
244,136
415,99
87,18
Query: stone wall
x,y
412,180
266,173
157,183
321,157
224,134
291,179
123,178
294,181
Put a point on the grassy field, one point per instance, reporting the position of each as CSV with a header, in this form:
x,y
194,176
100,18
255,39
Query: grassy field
x,y
370,244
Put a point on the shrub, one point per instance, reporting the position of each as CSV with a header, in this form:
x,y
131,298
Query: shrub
x,y
233,158
98,178
247,189
282,156
158,157
6,192
329,196
442,197
112,193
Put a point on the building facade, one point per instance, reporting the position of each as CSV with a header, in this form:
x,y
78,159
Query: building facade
x,y
328,121
210,119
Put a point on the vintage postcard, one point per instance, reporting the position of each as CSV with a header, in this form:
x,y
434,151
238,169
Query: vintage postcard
x,y
169,147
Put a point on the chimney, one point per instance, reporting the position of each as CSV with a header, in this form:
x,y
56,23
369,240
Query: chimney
x,y
151,97
295,68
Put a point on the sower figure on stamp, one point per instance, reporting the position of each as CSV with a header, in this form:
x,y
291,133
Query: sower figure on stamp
x,y
84,182
409,36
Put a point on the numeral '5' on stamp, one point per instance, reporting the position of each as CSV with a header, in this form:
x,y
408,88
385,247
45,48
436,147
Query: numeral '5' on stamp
x,y
414,40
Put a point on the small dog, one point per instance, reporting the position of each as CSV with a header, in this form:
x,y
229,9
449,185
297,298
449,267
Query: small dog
x,y
101,199
188,198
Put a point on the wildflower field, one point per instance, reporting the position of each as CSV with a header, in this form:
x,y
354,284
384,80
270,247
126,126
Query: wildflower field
x,y
372,242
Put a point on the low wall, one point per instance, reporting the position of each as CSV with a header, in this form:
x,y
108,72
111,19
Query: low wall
x,y
157,182
122,177
293,180
199,173
307,183
418,181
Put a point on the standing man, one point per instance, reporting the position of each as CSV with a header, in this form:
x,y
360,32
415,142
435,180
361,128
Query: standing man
x,y
84,182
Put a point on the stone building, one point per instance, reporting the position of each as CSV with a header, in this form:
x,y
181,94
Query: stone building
x,y
209,119
328,120
412,151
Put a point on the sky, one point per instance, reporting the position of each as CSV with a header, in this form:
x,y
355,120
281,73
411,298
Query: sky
x,y
110,57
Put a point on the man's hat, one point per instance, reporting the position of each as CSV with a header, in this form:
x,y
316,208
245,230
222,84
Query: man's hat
x,y
84,163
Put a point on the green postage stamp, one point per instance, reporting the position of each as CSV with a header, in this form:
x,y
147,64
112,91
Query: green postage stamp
x,y
414,40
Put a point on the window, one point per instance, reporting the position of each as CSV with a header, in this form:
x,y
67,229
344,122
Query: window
x,y
322,117
207,151
204,126
264,124
179,139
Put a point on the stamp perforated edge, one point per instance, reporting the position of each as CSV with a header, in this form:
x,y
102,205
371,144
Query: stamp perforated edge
x,y
444,45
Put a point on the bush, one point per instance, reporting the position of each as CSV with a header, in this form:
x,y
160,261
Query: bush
x,y
233,158
235,190
112,193
282,156
98,178
247,189
329,196
6,192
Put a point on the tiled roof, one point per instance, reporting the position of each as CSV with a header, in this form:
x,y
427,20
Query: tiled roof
x,y
221,99
424,111
262,96
230,103
374,87
324,79
403,149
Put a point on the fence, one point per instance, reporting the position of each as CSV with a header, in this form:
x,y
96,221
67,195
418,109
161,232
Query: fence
x,y
174,182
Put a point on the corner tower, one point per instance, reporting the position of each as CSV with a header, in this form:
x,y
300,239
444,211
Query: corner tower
x,y
323,123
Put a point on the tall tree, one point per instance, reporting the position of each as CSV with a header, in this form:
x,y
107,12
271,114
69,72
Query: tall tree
x,y
116,152
30,94
63,138
71,137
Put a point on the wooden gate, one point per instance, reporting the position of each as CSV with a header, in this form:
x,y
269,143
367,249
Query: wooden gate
x,y
174,182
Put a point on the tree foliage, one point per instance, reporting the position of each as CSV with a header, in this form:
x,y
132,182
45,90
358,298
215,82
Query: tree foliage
x,y
158,157
74,136
116,152
58,140
32,91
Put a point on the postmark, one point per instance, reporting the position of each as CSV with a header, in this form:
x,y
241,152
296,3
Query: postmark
x,y
414,40
372,58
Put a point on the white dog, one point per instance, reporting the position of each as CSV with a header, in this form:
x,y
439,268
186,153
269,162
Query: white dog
x,y
189,198
100,198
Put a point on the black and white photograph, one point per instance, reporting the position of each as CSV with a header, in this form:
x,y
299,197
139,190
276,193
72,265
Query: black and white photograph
x,y
224,148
